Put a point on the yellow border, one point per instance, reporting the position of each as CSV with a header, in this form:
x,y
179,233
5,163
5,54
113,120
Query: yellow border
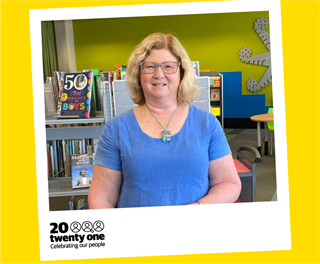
x,y
19,217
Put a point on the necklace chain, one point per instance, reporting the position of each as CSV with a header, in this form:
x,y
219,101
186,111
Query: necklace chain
x,y
166,136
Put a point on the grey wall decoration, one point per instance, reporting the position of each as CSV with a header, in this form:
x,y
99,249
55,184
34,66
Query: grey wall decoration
x,y
261,59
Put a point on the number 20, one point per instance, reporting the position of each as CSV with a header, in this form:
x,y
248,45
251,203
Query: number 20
x,y
62,227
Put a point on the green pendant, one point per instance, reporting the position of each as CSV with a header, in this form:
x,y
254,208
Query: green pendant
x,y
166,136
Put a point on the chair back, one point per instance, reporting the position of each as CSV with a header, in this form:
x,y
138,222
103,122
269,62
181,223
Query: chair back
x,y
270,124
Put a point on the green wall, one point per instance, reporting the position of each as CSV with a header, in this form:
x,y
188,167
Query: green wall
x,y
212,39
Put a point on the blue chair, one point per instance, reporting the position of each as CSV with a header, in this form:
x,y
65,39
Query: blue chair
x,y
270,126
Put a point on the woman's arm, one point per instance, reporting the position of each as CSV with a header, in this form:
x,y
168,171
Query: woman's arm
x,y
105,188
224,182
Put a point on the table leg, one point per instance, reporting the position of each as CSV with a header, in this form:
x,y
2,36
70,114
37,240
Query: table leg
x,y
259,137
266,148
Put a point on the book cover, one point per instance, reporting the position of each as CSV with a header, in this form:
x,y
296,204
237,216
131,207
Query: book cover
x,y
121,72
81,170
104,75
215,111
216,81
60,84
76,94
215,94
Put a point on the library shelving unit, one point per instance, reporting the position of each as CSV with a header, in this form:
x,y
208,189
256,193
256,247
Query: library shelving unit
x,y
216,104
123,102
62,186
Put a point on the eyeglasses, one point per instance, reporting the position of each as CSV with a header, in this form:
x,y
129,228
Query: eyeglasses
x,y
168,67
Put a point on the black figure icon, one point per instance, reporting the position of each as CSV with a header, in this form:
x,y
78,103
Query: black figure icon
x,y
75,227
87,226
98,226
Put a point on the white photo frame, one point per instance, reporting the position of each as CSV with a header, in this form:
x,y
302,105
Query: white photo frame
x,y
172,230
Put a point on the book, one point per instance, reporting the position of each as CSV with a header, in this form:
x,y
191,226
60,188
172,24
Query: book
x,y
215,94
104,75
215,111
121,72
60,85
76,94
49,98
196,67
98,80
94,98
215,81
81,170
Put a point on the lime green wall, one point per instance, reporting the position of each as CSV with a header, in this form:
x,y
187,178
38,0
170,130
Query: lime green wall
x,y
213,39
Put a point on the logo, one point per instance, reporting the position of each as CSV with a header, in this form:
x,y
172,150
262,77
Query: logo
x,y
82,232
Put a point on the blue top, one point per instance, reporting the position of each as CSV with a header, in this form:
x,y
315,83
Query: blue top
x,y
157,173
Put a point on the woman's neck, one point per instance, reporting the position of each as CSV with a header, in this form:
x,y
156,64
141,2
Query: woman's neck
x,y
162,109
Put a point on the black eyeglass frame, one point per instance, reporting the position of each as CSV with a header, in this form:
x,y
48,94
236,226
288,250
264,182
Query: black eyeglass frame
x,y
157,66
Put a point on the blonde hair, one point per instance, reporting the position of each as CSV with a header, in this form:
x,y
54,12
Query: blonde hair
x,y
188,90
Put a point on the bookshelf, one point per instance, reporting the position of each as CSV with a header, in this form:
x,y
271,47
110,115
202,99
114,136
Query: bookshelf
x,y
90,128
216,94
123,102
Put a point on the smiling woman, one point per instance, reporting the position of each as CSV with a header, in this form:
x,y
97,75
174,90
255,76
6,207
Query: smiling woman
x,y
165,151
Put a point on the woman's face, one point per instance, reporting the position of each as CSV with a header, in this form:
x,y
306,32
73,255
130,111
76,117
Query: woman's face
x,y
159,85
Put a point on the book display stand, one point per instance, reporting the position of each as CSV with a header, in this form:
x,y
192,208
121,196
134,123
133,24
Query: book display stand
x,y
216,94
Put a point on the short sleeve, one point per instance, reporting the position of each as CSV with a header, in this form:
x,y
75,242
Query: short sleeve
x,y
218,146
108,153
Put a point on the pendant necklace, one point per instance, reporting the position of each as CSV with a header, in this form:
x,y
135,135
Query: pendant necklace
x,y
166,136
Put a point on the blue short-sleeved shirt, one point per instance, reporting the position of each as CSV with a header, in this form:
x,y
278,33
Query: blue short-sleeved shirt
x,y
157,173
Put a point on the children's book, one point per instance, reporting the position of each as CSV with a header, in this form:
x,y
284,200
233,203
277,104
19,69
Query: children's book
x,y
76,94
81,170
121,72
215,111
215,94
216,81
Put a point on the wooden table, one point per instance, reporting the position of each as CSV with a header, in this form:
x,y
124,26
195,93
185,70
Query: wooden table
x,y
262,118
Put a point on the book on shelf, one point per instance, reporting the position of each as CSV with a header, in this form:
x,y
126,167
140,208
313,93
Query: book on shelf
x,y
94,104
56,82
121,72
104,75
76,94
215,111
59,154
215,81
81,170
215,94
78,203
196,67
60,87
98,80
49,96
